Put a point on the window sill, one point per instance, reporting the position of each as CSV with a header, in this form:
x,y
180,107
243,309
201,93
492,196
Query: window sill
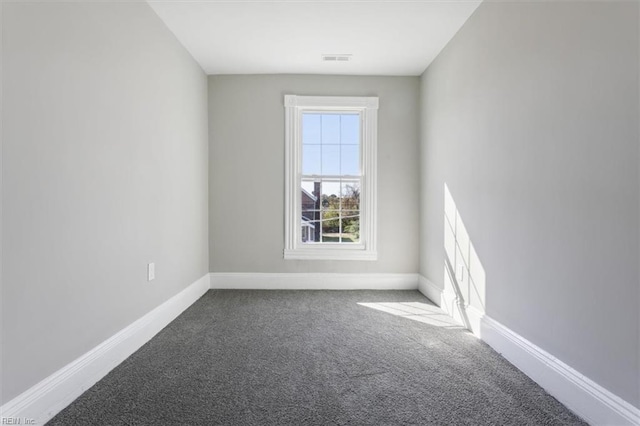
x,y
318,253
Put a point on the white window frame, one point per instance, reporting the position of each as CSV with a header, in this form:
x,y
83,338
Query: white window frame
x,y
367,107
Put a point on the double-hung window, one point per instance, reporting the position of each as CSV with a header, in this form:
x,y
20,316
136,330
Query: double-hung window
x,y
330,177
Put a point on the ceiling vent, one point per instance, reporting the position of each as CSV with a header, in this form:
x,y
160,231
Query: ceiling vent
x,y
342,57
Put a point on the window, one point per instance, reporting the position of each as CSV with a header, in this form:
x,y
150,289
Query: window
x,y
330,202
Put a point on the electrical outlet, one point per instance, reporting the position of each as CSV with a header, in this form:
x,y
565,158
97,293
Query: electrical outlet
x,y
151,272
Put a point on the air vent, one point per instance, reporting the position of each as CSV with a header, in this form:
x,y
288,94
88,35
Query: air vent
x,y
342,57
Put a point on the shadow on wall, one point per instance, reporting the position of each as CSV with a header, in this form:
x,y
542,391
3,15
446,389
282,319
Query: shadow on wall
x,y
464,276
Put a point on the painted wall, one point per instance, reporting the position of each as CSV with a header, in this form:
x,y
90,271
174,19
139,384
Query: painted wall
x,y
104,163
530,118
246,176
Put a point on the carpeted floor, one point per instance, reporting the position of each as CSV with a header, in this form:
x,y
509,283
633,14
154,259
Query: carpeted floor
x,y
315,358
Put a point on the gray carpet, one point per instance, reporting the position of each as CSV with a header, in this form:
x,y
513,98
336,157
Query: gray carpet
x,y
315,358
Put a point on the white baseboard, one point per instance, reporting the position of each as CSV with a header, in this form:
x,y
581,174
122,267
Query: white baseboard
x,y
583,396
430,290
50,396
474,317
313,281
586,398
450,305
447,301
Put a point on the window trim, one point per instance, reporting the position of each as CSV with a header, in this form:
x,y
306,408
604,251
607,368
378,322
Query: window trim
x,y
368,108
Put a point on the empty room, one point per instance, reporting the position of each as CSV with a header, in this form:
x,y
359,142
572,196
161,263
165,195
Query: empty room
x,y
360,212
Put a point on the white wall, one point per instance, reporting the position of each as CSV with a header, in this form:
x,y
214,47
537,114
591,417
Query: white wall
x,y
246,176
104,162
530,116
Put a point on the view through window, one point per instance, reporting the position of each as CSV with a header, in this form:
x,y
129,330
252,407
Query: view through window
x,y
331,178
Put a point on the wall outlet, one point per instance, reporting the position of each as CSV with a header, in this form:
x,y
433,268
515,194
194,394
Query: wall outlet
x,y
151,271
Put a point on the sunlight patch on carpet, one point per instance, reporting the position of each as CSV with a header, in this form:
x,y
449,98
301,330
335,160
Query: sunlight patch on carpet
x,y
416,311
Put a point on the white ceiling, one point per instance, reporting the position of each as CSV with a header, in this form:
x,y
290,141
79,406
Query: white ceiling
x,y
289,36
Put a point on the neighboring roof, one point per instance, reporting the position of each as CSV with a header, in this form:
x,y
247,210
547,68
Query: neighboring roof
x,y
313,197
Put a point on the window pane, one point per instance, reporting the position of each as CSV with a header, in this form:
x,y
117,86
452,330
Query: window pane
x,y
350,160
330,159
310,228
308,231
350,227
350,129
311,160
308,204
350,195
311,215
331,226
310,211
330,129
330,195
330,211
311,129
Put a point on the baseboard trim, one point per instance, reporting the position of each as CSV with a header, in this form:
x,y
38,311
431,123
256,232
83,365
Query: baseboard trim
x,y
474,318
430,290
450,305
313,281
583,396
50,396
